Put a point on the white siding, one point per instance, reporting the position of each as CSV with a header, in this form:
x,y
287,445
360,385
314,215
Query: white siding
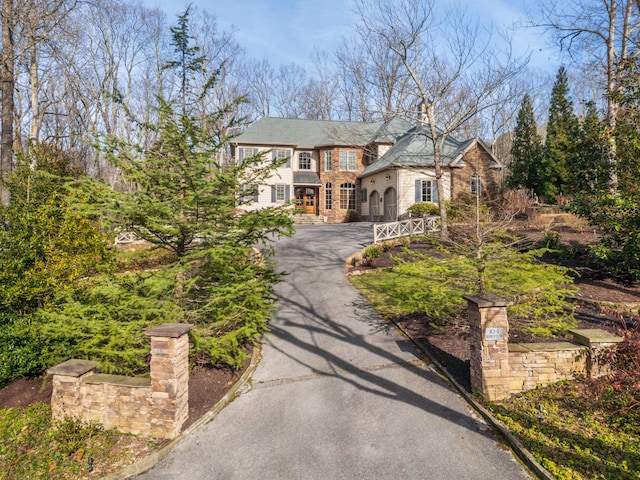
x,y
377,183
314,161
283,175
407,186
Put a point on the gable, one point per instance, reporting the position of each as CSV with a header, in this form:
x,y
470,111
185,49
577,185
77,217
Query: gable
x,y
483,148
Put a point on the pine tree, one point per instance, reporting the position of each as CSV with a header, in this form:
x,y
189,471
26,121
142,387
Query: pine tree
x,y
526,151
588,160
559,142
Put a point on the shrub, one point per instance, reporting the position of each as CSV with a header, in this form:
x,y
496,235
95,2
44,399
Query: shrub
x,y
520,201
422,209
435,285
618,395
373,251
386,246
21,354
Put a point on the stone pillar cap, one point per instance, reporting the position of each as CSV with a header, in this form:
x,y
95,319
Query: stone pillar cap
x,y
73,368
488,300
170,330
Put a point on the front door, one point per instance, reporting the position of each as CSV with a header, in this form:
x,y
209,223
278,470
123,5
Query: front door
x,y
306,199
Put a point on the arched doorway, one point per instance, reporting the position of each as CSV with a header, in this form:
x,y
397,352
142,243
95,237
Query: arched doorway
x,y
374,207
390,205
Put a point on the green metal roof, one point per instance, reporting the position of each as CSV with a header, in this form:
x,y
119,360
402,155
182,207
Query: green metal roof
x,y
306,178
415,148
307,133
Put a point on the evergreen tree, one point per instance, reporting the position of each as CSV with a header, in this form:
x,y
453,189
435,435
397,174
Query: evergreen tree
x,y
186,201
526,151
588,160
48,246
559,142
617,212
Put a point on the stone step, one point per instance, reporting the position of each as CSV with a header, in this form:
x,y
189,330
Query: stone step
x,y
306,219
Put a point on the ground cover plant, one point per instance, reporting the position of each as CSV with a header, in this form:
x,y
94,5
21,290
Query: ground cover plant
x,y
32,447
580,429
434,281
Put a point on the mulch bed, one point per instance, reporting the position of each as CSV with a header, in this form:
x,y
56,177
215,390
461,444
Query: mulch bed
x,y
450,345
206,387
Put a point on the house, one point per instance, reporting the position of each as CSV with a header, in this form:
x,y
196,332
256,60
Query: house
x,y
348,171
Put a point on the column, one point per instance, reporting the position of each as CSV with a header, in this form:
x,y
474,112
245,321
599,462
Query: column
x,y
169,378
489,346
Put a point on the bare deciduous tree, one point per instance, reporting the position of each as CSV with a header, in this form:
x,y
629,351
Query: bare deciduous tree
x,y
455,68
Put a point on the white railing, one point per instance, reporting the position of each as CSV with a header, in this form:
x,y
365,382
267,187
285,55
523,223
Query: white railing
x,y
405,228
125,237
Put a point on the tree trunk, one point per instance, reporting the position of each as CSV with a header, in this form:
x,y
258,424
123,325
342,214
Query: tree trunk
x,y
7,80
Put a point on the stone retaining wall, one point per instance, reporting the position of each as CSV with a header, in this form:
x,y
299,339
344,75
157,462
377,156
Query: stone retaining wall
x,y
499,369
154,407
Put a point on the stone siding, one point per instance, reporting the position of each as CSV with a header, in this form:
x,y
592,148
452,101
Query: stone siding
x,y
337,177
476,160
154,407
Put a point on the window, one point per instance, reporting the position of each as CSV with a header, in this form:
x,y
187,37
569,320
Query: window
x,y
427,191
281,153
347,196
327,160
248,194
347,160
280,193
246,152
328,197
304,161
476,184
363,195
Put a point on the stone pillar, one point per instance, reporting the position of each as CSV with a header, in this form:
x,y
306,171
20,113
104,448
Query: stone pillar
x,y
68,376
169,378
596,340
490,375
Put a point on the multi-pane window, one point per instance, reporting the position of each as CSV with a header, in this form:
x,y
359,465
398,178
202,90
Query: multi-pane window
x,y
248,193
327,160
304,161
280,154
347,196
246,152
476,184
281,193
347,160
427,191
328,196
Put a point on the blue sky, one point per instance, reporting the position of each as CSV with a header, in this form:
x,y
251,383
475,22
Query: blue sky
x,y
288,31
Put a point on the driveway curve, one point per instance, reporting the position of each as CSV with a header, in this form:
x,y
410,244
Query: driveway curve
x,y
338,394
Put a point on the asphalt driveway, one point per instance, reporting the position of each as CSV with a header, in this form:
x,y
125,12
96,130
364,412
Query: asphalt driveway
x,y
338,394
